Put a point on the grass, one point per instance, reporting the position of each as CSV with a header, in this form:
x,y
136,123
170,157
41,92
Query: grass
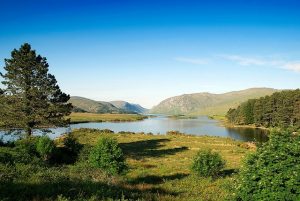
x,y
92,117
182,117
218,117
163,162
159,170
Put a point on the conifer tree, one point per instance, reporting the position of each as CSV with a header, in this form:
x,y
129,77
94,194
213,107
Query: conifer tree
x,y
31,97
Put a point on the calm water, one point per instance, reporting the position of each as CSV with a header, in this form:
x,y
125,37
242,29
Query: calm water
x,y
160,125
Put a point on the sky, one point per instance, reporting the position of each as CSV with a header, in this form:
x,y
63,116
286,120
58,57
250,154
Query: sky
x,y
144,51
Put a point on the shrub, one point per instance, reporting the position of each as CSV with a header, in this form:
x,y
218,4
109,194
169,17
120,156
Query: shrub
x,y
27,145
25,151
108,156
68,150
273,171
45,147
207,163
6,156
106,131
72,145
7,173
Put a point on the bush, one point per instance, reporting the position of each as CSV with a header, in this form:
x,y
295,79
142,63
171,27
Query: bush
x,y
108,156
273,171
25,151
45,147
72,145
27,145
6,156
68,151
7,173
207,163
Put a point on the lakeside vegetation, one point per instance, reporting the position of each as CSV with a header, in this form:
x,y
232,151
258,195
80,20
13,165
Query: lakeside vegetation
x,y
92,117
281,109
181,116
159,169
218,117
156,167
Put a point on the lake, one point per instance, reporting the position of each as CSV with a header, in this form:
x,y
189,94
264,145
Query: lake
x,y
161,124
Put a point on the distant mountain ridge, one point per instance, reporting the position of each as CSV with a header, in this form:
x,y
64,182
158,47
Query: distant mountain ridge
x,y
82,104
129,107
208,103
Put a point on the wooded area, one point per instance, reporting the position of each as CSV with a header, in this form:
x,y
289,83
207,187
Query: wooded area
x,y
281,109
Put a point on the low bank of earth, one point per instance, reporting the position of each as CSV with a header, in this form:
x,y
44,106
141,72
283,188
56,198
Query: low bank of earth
x,y
223,120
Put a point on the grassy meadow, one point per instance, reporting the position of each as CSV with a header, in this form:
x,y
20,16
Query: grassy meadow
x,y
93,117
159,169
160,165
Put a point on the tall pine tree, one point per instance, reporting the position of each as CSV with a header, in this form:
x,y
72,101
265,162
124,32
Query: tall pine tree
x,y
31,97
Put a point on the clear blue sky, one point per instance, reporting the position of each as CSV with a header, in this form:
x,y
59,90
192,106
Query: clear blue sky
x,y
143,51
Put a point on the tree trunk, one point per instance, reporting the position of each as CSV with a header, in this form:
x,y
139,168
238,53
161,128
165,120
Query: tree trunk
x,y
28,131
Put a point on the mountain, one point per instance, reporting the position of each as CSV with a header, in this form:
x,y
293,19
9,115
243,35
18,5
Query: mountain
x,y
207,103
130,107
81,104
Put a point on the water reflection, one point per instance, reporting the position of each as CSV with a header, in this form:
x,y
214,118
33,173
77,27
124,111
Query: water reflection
x,y
248,134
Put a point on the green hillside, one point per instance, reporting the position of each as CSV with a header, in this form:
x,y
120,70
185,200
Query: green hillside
x,y
207,103
81,104
92,106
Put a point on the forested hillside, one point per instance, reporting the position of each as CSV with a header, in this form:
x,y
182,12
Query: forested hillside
x,y
281,109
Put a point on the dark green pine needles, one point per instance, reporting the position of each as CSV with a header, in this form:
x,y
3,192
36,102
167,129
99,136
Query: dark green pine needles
x,y
31,97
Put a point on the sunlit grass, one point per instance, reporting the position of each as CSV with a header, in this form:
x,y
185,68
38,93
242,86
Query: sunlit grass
x,y
159,169
163,162
92,117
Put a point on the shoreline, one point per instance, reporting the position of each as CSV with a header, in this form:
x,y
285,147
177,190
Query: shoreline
x,y
76,118
224,122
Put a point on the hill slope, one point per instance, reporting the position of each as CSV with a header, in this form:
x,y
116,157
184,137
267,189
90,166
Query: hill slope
x,y
207,103
81,104
87,105
129,107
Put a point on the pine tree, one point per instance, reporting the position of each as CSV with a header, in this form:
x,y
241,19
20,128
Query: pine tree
x,y
31,97
281,109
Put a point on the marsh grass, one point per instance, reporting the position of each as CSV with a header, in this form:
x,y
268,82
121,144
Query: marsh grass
x,y
92,117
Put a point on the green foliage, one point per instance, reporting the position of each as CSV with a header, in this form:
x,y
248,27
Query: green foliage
x,y
6,156
273,171
22,151
27,145
72,145
159,171
31,97
7,173
207,163
45,147
68,152
108,156
281,109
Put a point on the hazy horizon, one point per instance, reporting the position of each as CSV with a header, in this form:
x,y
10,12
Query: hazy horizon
x,y
145,51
